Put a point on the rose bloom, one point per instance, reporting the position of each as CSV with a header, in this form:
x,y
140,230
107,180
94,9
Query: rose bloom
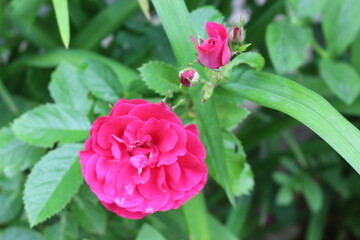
x,y
214,52
141,159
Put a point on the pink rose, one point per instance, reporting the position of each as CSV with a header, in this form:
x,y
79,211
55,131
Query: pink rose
x,y
141,159
214,52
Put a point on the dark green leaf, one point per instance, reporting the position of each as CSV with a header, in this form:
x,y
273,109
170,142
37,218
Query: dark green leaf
x,y
147,232
342,79
284,196
52,183
47,124
340,24
160,77
101,81
313,193
93,221
286,43
20,233
67,89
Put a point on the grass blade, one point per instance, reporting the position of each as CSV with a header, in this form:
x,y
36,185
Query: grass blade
x,y
62,18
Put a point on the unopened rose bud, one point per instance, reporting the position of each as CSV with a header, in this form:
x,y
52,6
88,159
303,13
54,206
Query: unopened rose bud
x,y
188,77
236,35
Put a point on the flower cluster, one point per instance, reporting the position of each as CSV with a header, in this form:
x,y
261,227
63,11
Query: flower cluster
x,y
141,159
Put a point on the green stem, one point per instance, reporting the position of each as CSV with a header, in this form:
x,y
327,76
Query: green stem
x,y
7,98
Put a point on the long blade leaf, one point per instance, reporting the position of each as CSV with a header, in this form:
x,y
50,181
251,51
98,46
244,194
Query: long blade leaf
x,y
62,18
304,105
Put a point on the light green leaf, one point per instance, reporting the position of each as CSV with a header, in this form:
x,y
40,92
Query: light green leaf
x,y
176,22
62,19
340,24
241,176
342,79
308,8
196,218
304,105
313,193
101,81
66,88
200,16
253,59
286,43
144,5
160,77
52,183
50,123
147,232
16,155
20,233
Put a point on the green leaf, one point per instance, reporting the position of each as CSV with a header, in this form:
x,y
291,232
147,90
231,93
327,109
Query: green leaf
x,y
252,59
50,123
144,5
67,89
62,19
177,25
6,97
342,79
286,43
20,233
16,155
196,218
355,53
308,8
52,183
313,193
304,105
160,77
147,232
200,16
101,81
340,24
105,22
65,229
24,11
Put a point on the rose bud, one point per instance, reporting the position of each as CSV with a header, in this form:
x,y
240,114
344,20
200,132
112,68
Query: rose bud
x,y
141,159
188,77
236,35
214,52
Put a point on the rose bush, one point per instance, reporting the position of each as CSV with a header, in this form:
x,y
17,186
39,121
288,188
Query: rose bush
x,y
214,52
141,159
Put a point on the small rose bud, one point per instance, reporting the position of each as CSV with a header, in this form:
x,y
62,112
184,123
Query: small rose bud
x,y
188,77
236,35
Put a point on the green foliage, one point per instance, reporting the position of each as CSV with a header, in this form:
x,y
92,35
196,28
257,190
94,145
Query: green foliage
x,y
49,95
50,123
287,44
52,183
